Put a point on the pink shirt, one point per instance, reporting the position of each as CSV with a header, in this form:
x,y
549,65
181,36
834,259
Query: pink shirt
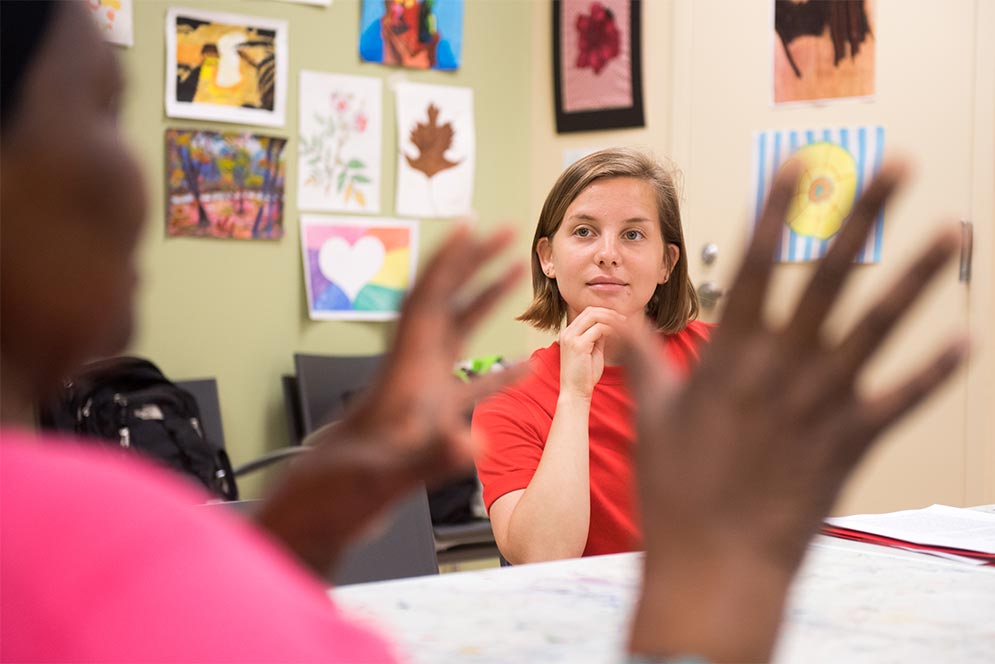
x,y
106,558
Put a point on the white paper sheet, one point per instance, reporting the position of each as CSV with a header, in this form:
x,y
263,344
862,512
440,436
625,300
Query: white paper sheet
x,y
937,525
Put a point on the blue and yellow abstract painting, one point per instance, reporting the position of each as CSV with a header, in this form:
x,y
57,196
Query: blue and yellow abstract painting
x,y
837,165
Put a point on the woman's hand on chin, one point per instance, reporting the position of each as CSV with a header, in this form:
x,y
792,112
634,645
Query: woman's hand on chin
x,y
582,350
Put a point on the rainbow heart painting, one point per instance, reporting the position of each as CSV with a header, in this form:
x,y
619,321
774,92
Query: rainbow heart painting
x,y
357,268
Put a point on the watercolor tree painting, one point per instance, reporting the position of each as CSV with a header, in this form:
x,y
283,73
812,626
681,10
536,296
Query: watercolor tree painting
x,y
224,184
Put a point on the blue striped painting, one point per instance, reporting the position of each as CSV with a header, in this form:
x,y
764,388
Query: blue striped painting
x,y
850,156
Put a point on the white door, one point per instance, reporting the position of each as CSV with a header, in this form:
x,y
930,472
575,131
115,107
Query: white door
x,y
925,99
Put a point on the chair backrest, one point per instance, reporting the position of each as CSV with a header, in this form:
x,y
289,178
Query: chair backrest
x,y
327,384
404,545
205,391
292,409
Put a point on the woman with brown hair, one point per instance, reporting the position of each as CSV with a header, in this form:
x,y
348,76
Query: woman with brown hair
x,y
608,255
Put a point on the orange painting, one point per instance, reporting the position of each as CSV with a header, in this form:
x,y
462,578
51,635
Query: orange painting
x,y
226,67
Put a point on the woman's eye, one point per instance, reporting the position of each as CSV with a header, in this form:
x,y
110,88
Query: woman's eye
x,y
633,235
582,232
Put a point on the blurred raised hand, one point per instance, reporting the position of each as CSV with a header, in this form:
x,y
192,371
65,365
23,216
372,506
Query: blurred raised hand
x,y
739,465
410,426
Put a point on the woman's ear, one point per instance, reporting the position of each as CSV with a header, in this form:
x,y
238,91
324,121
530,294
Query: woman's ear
x,y
671,254
544,250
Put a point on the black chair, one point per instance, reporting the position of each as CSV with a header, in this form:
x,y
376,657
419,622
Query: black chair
x,y
327,384
404,546
341,379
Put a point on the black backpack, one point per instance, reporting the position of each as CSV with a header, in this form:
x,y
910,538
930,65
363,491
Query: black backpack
x,y
127,401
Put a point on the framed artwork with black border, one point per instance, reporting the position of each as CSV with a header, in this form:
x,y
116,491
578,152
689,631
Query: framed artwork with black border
x,y
597,65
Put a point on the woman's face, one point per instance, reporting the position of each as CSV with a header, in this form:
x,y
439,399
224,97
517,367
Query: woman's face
x,y
73,206
609,250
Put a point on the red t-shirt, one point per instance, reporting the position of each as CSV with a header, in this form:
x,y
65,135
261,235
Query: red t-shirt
x,y
513,426
109,559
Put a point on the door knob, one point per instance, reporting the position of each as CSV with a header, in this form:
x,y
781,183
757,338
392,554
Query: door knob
x,y
709,253
709,294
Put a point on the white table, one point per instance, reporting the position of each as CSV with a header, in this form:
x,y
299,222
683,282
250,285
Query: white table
x,y
852,603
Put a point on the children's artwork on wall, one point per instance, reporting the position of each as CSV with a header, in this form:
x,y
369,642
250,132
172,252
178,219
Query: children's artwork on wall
x,y
224,185
823,50
421,34
837,165
226,67
597,64
114,19
338,156
436,150
357,268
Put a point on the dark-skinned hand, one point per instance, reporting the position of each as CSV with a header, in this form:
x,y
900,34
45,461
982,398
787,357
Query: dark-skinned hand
x,y
739,465
410,427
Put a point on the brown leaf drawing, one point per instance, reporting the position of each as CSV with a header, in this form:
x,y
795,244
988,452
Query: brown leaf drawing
x,y
432,141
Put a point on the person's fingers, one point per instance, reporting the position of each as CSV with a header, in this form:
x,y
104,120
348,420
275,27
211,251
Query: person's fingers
x,y
458,272
453,264
746,296
484,302
877,323
609,317
433,278
593,334
592,316
832,271
883,411
427,315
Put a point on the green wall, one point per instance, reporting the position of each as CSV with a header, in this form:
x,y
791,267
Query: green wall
x,y
236,310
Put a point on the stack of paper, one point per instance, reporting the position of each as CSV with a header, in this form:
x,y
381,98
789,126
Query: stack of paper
x,y
950,532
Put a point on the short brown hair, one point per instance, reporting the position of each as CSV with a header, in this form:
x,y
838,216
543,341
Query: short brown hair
x,y
674,302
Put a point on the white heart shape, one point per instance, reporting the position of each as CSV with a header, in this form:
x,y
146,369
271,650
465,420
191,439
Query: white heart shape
x,y
350,267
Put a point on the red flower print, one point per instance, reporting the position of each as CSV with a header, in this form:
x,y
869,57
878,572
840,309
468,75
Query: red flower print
x,y
598,38
360,123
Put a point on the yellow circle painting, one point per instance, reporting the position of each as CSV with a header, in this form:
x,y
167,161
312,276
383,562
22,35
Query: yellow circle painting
x,y
825,190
